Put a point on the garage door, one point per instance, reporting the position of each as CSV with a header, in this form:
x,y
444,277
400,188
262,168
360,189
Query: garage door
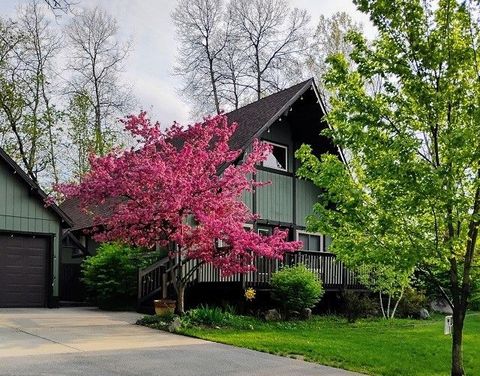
x,y
23,271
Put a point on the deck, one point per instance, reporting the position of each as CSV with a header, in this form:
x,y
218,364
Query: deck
x,y
155,279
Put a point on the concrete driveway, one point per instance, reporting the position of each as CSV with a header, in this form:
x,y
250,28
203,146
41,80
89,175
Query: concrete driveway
x,y
87,341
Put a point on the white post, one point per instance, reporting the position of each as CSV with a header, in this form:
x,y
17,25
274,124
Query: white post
x,y
447,328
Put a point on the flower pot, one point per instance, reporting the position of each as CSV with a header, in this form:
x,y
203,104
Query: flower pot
x,y
164,306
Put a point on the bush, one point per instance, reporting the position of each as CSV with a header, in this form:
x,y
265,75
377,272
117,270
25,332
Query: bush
x,y
111,275
411,304
203,316
216,317
296,288
357,305
208,316
155,321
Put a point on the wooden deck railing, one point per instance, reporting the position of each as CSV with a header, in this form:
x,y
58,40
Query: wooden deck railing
x,y
333,274
155,279
152,280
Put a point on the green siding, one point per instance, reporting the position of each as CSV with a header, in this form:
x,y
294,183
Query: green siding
x,y
247,199
307,195
21,211
275,201
281,133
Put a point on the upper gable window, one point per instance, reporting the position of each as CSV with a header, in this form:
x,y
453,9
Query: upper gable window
x,y
278,157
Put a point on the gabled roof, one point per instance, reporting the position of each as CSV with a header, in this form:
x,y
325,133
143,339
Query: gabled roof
x,y
254,118
34,188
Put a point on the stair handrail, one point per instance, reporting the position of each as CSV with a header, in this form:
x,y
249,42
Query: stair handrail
x,y
155,265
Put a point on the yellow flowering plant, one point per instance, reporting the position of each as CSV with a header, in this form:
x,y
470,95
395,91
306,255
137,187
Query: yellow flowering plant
x,y
250,293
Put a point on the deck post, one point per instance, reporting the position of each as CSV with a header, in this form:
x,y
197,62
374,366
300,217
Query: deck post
x,y
139,288
164,283
344,277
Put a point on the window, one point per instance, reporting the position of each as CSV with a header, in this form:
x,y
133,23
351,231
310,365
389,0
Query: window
x,y
220,243
248,227
265,266
263,231
328,241
311,242
278,157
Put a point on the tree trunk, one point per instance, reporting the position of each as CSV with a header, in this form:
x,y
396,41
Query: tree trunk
x,y
388,305
99,140
457,338
98,131
214,86
259,73
181,299
396,304
381,304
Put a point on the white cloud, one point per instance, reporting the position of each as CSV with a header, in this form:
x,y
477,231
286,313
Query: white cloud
x,y
149,68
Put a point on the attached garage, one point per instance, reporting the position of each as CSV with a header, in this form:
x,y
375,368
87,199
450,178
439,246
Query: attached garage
x,y
30,238
24,268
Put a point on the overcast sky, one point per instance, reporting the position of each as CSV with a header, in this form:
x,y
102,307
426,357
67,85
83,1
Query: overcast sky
x,y
150,64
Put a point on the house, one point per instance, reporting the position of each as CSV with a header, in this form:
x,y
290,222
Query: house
x,y
286,120
30,240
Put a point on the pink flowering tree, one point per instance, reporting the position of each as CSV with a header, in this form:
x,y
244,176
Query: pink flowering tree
x,y
183,187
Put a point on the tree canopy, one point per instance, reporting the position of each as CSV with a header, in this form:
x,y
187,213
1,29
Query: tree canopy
x,y
409,196
181,186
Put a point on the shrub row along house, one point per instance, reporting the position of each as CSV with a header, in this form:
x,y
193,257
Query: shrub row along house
x,y
286,120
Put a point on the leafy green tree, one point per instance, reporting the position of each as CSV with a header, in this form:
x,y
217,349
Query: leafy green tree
x,y
409,196
81,132
390,284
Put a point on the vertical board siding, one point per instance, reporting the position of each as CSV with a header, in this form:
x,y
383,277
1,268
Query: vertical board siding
x,y
275,201
21,211
307,195
247,199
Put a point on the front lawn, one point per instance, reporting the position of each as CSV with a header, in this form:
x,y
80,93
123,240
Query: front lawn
x,y
375,347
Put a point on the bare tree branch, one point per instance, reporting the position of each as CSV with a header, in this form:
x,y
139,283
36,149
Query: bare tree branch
x,y
96,61
274,37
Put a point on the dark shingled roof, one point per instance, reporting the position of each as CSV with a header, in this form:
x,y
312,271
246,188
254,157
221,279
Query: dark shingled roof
x,y
34,188
255,117
81,219
252,120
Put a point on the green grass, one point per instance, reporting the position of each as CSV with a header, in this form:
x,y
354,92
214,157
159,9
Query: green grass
x,y
375,347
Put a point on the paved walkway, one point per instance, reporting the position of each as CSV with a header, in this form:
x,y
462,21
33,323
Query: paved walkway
x,y
86,341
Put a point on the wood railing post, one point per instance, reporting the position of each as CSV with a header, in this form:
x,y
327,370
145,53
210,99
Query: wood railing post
x,y
344,277
152,280
242,281
139,286
164,283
